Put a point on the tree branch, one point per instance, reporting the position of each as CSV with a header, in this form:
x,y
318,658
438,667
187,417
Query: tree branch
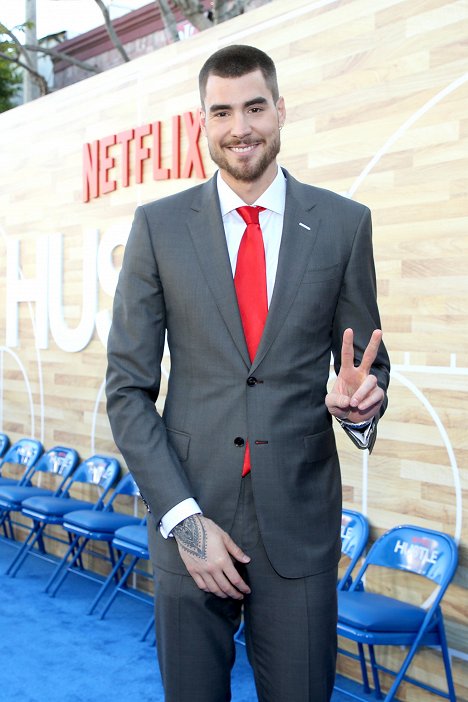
x,y
111,31
40,80
168,19
222,11
194,12
62,55
19,47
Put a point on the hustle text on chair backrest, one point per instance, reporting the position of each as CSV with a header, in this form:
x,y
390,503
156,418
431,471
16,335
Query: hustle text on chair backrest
x,y
413,549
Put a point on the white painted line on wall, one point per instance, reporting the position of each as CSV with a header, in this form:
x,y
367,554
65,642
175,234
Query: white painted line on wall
x,y
5,349
365,481
430,370
404,127
95,415
447,443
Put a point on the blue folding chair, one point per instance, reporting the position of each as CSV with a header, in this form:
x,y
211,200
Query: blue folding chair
x,y
85,526
4,444
373,619
58,463
129,541
15,468
19,459
354,537
99,473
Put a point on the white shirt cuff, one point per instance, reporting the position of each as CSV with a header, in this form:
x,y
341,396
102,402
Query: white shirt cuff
x,y
360,431
177,514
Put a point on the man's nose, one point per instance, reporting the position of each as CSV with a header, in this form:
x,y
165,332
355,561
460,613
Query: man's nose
x,y
240,125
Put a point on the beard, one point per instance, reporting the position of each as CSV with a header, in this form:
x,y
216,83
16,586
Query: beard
x,y
246,172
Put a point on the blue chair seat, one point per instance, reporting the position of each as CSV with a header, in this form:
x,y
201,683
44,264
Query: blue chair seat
x,y
15,494
373,612
92,521
136,535
52,506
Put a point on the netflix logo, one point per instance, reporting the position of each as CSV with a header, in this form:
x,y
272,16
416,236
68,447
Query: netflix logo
x,y
109,162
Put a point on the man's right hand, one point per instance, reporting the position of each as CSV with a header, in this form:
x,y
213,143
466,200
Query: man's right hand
x,y
208,553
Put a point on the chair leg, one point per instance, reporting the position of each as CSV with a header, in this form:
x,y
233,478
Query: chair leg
x,y
34,534
106,584
41,544
375,672
62,563
119,586
68,567
362,661
446,658
404,667
5,522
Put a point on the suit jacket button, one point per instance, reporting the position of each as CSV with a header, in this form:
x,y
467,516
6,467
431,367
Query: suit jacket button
x,y
251,381
239,441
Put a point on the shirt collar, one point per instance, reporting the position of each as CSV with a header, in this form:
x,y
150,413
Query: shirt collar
x,y
272,199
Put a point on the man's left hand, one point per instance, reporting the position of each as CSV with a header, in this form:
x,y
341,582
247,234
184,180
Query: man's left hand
x,y
355,396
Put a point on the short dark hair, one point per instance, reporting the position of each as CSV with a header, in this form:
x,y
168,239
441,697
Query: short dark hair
x,y
235,61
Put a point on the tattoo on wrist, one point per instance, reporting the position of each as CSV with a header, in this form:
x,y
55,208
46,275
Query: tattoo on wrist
x,y
191,536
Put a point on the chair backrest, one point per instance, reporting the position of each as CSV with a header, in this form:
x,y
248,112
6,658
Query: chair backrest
x,y
25,452
432,554
413,549
354,537
101,471
4,444
60,461
126,486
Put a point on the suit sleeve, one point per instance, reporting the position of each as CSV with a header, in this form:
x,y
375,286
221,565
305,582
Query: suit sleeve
x,y
135,350
357,305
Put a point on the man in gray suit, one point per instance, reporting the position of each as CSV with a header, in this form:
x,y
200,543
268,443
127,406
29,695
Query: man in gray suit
x,y
241,472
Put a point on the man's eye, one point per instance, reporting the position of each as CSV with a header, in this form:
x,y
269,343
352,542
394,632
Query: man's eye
x,y
256,109
220,114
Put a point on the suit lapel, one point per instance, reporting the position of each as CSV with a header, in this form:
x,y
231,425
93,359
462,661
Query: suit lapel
x,y
207,232
300,230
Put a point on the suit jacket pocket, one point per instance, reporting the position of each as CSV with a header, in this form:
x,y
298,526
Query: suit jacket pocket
x,y
320,446
319,275
180,442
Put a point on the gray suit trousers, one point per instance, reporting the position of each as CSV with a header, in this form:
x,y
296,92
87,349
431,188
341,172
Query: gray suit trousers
x,y
290,628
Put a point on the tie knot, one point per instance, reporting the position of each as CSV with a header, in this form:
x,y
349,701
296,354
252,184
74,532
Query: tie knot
x,y
250,214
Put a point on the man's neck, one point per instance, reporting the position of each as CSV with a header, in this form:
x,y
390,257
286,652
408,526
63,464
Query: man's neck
x,y
250,192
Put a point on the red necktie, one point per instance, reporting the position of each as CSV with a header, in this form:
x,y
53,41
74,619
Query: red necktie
x,y
251,288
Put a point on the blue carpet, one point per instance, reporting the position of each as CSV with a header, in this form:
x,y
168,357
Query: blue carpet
x,y
51,651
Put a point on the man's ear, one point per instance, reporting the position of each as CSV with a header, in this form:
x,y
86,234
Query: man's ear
x,y
202,117
281,110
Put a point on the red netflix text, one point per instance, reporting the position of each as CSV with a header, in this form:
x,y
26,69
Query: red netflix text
x,y
133,147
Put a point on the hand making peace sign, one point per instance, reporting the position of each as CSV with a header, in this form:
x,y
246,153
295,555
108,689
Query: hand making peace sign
x,y
356,396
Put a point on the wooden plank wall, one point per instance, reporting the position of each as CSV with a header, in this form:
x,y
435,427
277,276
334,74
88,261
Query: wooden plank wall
x,y
377,99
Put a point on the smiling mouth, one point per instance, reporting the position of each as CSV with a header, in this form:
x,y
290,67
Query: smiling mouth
x,y
242,149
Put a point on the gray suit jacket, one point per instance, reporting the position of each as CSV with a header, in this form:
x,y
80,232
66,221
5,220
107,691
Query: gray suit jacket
x,y
176,276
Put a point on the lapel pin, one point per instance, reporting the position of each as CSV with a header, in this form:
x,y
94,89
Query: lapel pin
x,y
305,226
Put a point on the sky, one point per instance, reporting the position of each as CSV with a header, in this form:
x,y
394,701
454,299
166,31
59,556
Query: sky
x,y
73,16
